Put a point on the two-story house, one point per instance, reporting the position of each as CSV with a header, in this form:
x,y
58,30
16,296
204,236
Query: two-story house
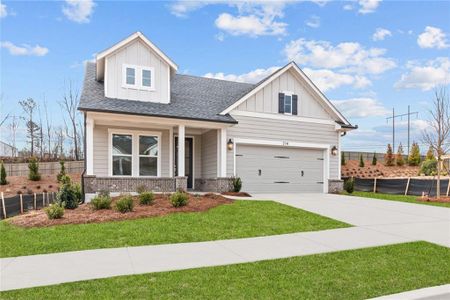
x,y
147,125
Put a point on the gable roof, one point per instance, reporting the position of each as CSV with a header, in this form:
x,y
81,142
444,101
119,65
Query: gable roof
x,y
192,97
100,58
290,66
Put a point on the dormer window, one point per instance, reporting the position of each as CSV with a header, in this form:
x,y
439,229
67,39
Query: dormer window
x,y
138,77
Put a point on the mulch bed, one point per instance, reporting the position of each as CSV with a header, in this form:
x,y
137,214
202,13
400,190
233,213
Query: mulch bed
x,y
237,194
433,199
85,214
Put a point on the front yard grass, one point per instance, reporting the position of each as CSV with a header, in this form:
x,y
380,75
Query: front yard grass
x,y
237,220
354,274
401,198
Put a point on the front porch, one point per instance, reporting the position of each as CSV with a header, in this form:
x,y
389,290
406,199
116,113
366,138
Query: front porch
x,y
124,152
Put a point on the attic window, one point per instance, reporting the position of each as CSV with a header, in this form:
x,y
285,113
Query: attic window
x,y
138,77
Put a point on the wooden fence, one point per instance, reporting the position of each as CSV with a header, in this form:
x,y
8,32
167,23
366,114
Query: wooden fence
x,y
354,155
21,169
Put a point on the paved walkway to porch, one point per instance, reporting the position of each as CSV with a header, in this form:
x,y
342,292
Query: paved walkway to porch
x,y
377,223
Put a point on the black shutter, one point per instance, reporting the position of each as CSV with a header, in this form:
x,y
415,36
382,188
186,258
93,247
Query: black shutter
x,y
281,103
294,104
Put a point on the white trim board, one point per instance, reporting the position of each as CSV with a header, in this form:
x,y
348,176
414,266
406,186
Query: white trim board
x,y
277,143
282,117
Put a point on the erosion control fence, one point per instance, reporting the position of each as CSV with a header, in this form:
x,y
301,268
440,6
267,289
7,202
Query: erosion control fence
x,y
15,205
21,169
402,186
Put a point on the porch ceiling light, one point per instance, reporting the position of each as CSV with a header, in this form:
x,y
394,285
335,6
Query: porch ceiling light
x,y
334,151
230,144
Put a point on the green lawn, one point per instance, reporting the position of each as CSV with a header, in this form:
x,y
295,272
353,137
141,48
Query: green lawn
x,y
401,198
355,274
238,220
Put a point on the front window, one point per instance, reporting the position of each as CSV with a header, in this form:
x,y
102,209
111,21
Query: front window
x,y
287,104
131,76
147,78
122,154
148,155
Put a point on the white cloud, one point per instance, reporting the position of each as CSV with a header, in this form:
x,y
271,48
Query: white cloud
x,y
348,7
425,77
250,77
347,56
361,107
313,21
329,80
368,6
183,8
3,10
251,25
432,37
24,50
380,34
79,11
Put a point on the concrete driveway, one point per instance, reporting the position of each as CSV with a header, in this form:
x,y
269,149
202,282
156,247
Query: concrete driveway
x,y
408,220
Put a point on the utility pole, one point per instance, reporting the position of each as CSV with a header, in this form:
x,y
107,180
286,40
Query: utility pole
x,y
394,116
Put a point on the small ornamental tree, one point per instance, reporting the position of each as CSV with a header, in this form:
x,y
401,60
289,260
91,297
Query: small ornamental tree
x,y
343,162
33,167
3,180
399,157
414,155
62,171
374,159
361,161
430,154
389,159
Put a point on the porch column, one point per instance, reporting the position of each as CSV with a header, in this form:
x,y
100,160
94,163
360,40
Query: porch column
x,y
222,152
89,146
171,150
181,138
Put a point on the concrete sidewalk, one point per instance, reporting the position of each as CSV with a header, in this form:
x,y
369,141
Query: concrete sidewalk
x,y
377,223
47,269
441,292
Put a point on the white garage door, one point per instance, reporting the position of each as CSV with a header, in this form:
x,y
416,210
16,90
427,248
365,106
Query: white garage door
x,y
265,169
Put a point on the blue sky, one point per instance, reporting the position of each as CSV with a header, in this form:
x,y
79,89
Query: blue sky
x,y
367,56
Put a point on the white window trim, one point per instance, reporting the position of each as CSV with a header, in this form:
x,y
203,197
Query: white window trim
x,y
138,77
284,102
134,151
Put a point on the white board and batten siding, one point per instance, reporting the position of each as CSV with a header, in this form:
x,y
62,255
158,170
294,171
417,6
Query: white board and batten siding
x,y
139,54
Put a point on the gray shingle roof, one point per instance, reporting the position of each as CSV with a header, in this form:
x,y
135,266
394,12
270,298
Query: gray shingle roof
x,y
192,97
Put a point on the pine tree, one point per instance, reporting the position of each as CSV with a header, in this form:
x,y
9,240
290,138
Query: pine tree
x,y
430,154
389,159
399,157
361,161
414,155
33,167
62,172
374,159
343,162
3,180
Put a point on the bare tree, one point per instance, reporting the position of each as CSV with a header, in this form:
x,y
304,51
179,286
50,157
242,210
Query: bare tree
x,y
69,104
48,127
13,126
29,106
59,141
41,144
438,136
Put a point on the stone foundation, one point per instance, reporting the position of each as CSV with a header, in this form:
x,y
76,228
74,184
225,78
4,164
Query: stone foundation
x,y
219,185
181,183
335,186
93,184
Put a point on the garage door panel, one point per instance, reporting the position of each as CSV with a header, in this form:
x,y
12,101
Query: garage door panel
x,y
279,169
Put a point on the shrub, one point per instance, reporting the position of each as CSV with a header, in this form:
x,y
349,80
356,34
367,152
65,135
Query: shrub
x,y
54,211
430,154
3,180
349,185
343,162
141,189
179,198
125,204
399,157
237,184
374,159
77,189
103,193
101,202
361,161
414,155
62,171
146,198
389,159
429,167
33,167
69,195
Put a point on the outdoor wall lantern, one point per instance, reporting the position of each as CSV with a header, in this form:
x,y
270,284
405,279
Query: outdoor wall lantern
x,y
230,144
334,151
